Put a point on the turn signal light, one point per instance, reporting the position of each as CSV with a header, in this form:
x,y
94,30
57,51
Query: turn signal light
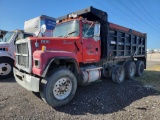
x,y
43,48
6,49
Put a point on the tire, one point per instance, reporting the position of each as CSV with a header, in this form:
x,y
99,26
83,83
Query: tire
x,y
50,91
6,68
139,68
130,70
118,74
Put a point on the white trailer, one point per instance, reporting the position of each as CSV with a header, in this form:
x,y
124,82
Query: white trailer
x,y
34,25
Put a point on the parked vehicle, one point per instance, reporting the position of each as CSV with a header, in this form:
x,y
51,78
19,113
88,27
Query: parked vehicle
x,y
84,48
7,44
156,50
7,47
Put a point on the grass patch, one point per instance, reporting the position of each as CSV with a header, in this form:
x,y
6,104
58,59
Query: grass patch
x,y
151,77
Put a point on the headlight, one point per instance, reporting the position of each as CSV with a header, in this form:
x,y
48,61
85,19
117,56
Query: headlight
x,y
37,63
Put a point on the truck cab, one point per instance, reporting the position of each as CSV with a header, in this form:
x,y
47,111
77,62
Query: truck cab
x,y
77,39
7,47
86,44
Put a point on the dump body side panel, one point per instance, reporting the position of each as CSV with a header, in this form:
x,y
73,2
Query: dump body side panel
x,y
124,42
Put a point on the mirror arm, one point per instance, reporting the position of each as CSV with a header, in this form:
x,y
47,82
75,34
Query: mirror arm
x,y
42,30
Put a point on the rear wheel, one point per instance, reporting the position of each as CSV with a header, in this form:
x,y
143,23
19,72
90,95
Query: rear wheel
x,y
130,70
118,74
59,88
6,68
139,68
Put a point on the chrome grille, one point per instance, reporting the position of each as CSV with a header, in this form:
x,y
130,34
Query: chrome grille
x,y
22,48
23,61
22,57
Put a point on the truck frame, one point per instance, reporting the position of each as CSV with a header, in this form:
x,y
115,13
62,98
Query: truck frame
x,y
84,48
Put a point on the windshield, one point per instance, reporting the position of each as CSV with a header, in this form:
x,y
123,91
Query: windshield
x,y
8,36
67,29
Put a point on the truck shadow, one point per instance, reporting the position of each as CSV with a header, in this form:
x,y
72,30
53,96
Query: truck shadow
x,y
11,79
106,97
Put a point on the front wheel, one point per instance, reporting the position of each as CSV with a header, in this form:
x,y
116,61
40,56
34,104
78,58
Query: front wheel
x,y
59,88
6,68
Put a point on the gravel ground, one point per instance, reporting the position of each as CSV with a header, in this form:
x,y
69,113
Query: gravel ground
x,y
100,100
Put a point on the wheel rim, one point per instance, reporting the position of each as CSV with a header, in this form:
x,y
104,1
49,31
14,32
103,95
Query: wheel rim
x,y
62,88
132,70
121,77
5,68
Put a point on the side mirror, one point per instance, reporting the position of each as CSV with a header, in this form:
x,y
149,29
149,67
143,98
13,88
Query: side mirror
x,y
43,28
97,31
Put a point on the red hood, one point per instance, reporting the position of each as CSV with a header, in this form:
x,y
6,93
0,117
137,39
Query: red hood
x,y
61,44
55,47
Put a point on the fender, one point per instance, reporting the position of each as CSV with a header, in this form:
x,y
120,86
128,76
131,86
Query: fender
x,y
46,58
64,58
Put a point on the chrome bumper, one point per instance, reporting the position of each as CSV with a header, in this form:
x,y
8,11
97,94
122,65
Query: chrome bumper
x,y
27,81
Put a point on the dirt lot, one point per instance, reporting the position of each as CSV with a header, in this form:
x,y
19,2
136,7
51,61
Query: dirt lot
x,y
153,59
100,100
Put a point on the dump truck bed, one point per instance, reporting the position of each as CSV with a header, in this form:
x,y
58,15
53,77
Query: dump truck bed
x,y
125,42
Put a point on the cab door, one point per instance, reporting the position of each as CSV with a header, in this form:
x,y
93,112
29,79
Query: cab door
x,y
91,47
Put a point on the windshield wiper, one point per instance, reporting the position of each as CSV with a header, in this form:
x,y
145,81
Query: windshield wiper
x,y
60,36
70,33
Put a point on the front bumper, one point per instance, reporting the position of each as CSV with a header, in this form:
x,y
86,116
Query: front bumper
x,y
27,81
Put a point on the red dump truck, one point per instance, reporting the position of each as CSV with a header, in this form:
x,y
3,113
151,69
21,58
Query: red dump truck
x,y
84,48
